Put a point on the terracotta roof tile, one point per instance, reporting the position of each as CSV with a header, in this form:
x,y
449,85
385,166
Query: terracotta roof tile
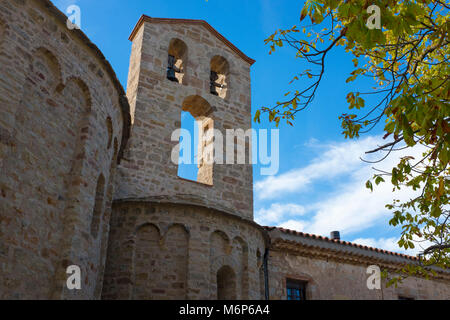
x,y
346,243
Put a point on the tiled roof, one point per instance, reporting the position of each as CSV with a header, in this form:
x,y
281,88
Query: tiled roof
x,y
146,18
346,243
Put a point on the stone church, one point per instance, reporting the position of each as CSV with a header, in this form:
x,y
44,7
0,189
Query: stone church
x,y
87,178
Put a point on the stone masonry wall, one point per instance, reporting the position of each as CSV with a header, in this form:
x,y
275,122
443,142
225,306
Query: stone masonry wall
x,y
157,103
334,280
63,127
175,251
60,131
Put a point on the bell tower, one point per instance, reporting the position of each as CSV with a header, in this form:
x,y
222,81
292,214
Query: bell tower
x,y
172,238
186,65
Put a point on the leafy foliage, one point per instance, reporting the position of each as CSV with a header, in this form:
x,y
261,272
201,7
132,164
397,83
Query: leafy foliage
x,y
408,61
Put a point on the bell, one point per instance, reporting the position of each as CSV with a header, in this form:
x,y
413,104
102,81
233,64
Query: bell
x,y
213,84
171,69
171,75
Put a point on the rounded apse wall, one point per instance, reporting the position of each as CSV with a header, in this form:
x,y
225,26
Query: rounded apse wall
x,y
182,251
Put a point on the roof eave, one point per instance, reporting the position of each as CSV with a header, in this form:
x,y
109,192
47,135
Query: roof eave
x,y
144,18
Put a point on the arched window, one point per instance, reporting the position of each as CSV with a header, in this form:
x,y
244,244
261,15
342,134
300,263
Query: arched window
x,y
219,76
148,263
200,110
98,206
2,31
110,131
46,69
259,264
176,63
187,161
226,284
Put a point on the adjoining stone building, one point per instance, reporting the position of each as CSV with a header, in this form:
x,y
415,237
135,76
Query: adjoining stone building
x,y
87,178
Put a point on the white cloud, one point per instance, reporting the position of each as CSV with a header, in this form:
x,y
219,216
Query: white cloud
x,y
64,4
347,205
353,208
391,244
294,225
277,211
337,159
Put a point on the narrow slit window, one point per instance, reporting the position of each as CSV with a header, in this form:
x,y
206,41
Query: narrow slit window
x,y
195,160
98,206
187,162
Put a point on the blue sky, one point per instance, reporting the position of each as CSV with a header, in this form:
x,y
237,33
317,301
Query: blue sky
x,y
320,184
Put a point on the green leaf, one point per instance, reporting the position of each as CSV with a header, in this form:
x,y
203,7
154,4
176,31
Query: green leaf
x,y
352,78
407,131
294,104
410,46
257,116
378,180
303,13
